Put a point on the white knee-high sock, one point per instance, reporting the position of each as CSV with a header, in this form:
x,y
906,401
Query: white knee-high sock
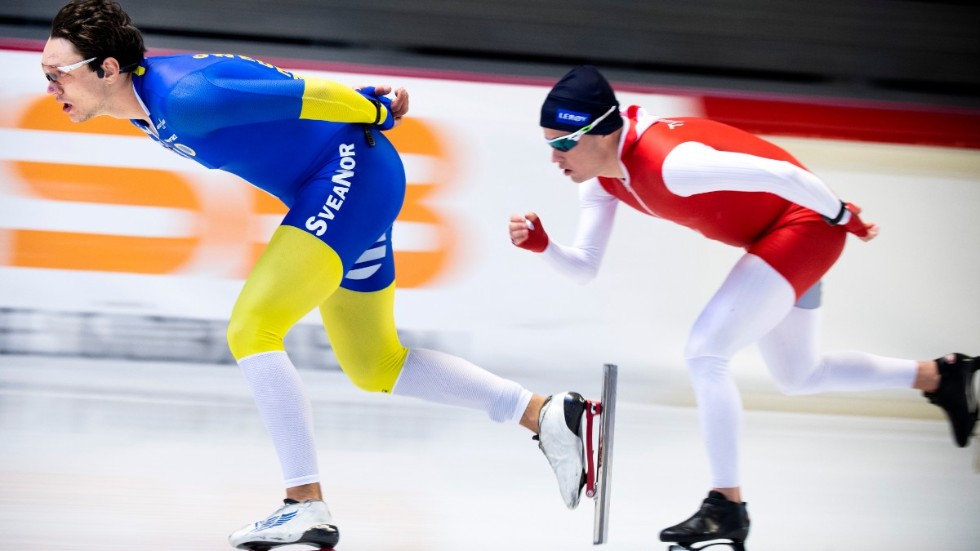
x,y
446,379
286,412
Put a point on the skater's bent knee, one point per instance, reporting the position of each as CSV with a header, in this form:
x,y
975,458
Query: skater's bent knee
x,y
707,367
793,386
375,375
247,337
703,346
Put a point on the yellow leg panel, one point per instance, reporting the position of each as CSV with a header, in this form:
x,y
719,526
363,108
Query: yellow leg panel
x,y
295,274
361,329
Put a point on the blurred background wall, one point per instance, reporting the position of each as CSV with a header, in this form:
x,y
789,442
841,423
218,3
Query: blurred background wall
x,y
902,49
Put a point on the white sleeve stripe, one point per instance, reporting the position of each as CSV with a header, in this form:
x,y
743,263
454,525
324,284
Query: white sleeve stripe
x,y
693,167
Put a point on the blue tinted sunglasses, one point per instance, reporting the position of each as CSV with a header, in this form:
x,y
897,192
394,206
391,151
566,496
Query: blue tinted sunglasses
x,y
568,141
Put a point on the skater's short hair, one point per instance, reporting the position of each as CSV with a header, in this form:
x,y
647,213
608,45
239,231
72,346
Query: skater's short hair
x,y
100,29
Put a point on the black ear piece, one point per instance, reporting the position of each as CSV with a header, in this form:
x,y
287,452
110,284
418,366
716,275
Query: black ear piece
x,y
100,72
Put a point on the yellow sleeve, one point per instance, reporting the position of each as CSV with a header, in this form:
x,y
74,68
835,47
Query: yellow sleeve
x,y
327,100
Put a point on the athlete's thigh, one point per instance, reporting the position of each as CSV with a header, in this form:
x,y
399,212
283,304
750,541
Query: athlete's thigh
x,y
752,300
802,252
792,347
295,273
360,325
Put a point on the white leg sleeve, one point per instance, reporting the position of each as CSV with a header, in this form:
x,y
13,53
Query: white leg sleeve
x,y
286,412
792,355
752,300
446,379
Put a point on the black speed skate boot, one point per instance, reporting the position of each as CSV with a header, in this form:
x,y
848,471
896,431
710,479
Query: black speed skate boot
x,y
718,519
956,394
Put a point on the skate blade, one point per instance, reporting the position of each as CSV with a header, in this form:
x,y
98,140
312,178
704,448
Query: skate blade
x,y
291,546
733,545
976,453
976,431
272,547
604,453
323,537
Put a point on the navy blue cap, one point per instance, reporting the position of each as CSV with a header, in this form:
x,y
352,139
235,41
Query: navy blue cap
x,y
580,97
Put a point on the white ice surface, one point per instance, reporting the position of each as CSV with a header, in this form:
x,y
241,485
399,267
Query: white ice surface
x,y
98,455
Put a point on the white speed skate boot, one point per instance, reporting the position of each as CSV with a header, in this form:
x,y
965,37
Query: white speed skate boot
x,y
560,438
307,522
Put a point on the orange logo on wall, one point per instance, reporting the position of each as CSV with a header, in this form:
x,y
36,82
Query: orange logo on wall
x,y
216,239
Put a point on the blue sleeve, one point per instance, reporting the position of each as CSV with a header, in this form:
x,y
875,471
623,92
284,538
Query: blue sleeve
x,y
239,92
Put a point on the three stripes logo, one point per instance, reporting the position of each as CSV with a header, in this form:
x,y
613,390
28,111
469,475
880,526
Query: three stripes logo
x,y
370,262
276,520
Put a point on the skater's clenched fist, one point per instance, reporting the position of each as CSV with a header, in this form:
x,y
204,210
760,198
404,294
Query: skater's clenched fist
x,y
527,232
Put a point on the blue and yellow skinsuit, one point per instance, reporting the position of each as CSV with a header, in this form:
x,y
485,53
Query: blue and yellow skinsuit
x,y
308,142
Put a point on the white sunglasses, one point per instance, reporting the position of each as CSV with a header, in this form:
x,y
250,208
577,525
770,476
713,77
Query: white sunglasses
x,y
568,141
65,69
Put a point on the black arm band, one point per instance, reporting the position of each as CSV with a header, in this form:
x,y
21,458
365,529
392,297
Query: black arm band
x,y
836,220
377,115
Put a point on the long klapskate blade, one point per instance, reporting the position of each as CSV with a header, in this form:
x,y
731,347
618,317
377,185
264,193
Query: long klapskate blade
x,y
600,530
976,453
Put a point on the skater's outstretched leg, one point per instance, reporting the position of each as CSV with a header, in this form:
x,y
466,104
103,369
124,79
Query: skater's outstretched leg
x,y
306,522
717,519
356,319
956,394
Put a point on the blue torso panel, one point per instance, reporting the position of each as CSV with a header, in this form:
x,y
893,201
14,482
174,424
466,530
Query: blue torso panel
x,y
236,114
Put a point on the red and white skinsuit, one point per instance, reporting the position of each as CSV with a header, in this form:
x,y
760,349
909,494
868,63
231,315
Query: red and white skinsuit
x,y
741,190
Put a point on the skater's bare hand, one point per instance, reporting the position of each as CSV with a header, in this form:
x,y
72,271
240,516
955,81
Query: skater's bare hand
x,y
518,228
872,232
399,104
527,232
